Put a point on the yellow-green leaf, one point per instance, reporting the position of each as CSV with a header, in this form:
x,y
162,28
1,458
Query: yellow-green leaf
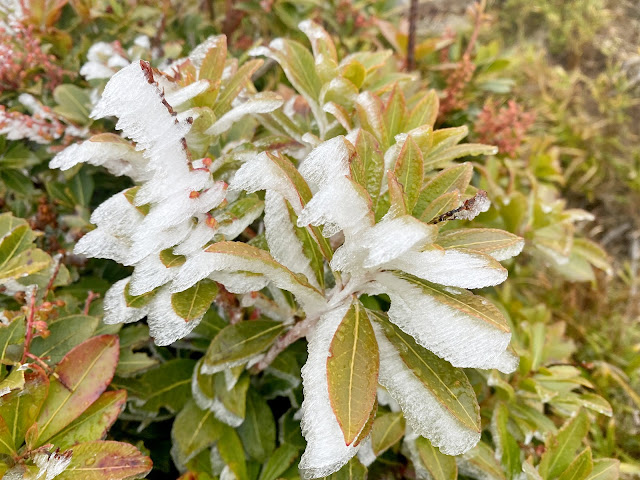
x,y
352,372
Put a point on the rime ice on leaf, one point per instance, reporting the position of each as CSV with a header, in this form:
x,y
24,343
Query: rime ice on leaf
x,y
326,451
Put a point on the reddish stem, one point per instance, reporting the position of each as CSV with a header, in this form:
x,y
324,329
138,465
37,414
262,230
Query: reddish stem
x,y
30,317
56,270
87,304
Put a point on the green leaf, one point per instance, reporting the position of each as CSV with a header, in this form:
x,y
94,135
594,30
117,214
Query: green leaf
x,y
94,422
106,459
449,385
73,103
425,112
13,381
605,469
82,375
239,342
353,470
25,263
369,108
352,372
490,241
138,301
580,468
11,334
17,182
232,453
66,333
167,385
561,448
233,86
367,167
258,431
394,113
193,302
16,238
299,67
480,461
441,157
213,62
387,430
170,260
281,459
20,408
409,169
450,180
441,205
439,465
193,430
508,448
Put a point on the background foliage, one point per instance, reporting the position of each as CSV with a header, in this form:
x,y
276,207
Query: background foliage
x,y
554,85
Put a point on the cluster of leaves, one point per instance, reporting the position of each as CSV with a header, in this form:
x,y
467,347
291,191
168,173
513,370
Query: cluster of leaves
x,y
330,214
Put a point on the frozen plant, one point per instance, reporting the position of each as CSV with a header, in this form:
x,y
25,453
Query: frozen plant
x,y
365,216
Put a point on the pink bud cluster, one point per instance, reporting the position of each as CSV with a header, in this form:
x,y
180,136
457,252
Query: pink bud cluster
x,y
504,127
41,127
23,61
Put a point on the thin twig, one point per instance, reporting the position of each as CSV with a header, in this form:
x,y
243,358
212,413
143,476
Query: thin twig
x,y
91,296
30,317
411,43
298,331
56,270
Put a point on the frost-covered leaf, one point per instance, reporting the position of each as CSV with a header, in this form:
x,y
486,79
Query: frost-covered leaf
x,y
226,400
439,466
455,324
107,150
260,103
106,459
455,267
234,257
499,244
94,421
370,111
240,342
293,246
352,372
326,451
437,399
82,375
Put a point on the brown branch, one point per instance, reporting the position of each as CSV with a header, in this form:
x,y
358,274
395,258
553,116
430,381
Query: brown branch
x,y
56,270
91,296
411,42
298,331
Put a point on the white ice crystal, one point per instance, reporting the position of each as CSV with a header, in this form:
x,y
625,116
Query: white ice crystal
x,y
119,157
326,451
165,326
284,245
459,337
51,464
260,103
116,309
424,413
